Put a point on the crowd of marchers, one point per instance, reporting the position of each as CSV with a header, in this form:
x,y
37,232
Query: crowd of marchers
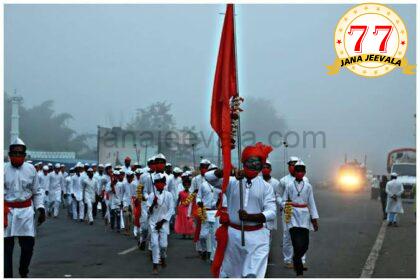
x,y
150,202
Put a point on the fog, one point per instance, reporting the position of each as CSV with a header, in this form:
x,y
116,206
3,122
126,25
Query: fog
x,y
102,62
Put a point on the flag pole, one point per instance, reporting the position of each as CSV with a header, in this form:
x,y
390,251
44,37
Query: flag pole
x,y
238,135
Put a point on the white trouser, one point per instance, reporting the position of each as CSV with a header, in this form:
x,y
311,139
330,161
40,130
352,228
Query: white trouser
x,y
53,207
81,209
159,243
246,261
89,210
207,237
68,202
287,246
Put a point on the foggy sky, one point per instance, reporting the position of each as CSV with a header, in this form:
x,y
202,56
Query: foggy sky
x,y
101,62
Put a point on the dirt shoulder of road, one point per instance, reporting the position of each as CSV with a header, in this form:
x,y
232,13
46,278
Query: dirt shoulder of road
x,y
397,257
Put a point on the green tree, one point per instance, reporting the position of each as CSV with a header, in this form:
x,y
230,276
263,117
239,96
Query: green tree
x,y
42,129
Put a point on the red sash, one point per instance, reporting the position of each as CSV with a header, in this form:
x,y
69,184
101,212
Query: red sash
x,y
14,204
247,228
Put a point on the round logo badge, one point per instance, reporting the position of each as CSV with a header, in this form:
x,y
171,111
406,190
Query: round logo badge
x,y
370,40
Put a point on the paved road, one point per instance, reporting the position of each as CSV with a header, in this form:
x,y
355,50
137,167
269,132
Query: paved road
x,y
349,225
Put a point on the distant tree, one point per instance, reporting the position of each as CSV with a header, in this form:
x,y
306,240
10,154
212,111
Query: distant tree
x,y
261,118
42,129
158,120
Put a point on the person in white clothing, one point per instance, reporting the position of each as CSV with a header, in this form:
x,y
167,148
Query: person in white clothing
x,y
300,213
173,187
394,190
44,184
68,189
129,194
99,176
56,185
115,193
78,207
196,182
233,260
266,175
207,197
127,165
287,242
160,211
22,194
89,185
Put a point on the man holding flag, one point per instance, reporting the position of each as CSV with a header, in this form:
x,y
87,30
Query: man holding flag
x,y
259,207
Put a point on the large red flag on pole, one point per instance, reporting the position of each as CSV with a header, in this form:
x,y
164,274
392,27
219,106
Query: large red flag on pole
x,y
225,87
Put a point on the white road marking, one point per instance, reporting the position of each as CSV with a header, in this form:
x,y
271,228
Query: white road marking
x,y
374,253
128,250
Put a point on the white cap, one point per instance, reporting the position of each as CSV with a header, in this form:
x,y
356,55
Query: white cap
x,y
50,164
205,161
129,173
212,166
160,156
39,163
186,173
63,165
268,162
108,165
177,170
136,163
57,165
90,169
168,164
86,164
300,163
100,165
116,172
158,176
18,141
45,167
150,159
293,158
393,174
29,161
79,164
138,171
94,164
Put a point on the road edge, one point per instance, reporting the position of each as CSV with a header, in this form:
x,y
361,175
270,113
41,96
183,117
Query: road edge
x,y
370,263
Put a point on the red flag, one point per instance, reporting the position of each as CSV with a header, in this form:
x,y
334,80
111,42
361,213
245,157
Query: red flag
x,y
225,87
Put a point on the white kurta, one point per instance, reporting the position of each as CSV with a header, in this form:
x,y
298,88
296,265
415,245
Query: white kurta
x,y
116,198
89,187
301,193
394,188
77,187
56,185
250,260
129,190
21,184
276,188
173,187
163,210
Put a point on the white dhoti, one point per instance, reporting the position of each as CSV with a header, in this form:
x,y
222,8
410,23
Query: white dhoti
x,y
250,260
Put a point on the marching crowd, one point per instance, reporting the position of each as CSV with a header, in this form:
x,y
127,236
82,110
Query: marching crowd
x,y
148,202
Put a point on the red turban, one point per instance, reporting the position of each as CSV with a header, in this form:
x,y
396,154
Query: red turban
x,y
127,159
259,150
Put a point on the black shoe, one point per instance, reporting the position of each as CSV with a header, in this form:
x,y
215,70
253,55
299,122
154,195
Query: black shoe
x,y
162,262
204,255
91,223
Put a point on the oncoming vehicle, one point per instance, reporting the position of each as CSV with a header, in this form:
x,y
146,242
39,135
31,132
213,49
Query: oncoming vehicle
x,y
351,177
403,162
